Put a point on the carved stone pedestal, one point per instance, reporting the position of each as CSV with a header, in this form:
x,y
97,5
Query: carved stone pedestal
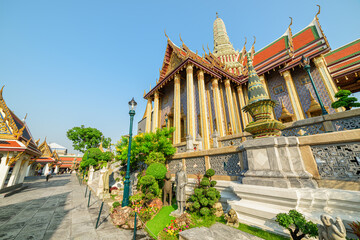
x,y
275,162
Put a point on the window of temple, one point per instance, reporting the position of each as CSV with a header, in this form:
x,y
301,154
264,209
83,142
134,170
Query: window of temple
x,y
278,89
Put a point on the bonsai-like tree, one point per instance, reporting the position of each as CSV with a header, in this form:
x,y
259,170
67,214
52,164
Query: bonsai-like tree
x,y
344,100
94,157
297,225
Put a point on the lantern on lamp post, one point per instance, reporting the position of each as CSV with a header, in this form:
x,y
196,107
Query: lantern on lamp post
x,y
125,201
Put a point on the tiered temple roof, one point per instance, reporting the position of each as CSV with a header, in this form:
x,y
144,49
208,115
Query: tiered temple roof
x,y
48,156
15,135
68,161
344,65
226,63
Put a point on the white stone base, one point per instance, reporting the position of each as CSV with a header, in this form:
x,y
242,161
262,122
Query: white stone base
x,y
259,205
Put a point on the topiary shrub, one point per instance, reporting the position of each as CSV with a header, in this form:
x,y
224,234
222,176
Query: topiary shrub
x,y
116,204
205,211
149,187
157,170
296,224
205,195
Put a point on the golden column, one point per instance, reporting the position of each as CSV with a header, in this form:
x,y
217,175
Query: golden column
x,y
237,114
294,98
263,82
156,112
242,104
190,123
327,79
203,110
230,104
218,111
177,110
148,115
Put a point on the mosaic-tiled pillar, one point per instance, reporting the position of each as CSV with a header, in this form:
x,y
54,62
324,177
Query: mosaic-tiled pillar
x,y
218,110
327,79
264,83
242,104
148,115
155,122
294,98
190,102
237,114
203,110
177,110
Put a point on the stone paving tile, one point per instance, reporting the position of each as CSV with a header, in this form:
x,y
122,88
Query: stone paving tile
x,y
56,210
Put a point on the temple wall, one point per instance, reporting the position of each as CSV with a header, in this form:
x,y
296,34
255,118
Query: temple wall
x,y
213,116
166,103
183,101
303,85
275,80
223,99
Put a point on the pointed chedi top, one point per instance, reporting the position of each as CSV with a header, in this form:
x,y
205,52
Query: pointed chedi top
x,y
256,91
222,44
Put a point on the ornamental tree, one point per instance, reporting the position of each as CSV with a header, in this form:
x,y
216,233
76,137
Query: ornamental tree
x,y
94,157
146,148
344,100
85,138
296,224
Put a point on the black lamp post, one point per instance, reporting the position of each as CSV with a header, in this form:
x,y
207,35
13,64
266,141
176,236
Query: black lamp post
x,y
125,201
305,62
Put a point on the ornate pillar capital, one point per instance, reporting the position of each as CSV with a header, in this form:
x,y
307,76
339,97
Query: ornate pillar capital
x,y
189,68
215,82
177,78
227,83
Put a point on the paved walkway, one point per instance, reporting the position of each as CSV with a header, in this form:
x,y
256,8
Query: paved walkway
x,y
56,210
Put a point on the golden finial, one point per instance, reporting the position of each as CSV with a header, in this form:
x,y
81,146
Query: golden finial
x,y
25,117
150,86
28,142
208,48
217,15
316,16
166,34
160,71
245,42
204,48
1,91
290,22
196,52
254,41
37,142
144,93
181,39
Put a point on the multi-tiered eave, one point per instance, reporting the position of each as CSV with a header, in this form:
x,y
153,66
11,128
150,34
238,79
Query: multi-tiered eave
x,y
344,65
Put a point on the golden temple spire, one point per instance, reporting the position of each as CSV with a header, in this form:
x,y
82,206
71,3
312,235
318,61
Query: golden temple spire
x,y
222,44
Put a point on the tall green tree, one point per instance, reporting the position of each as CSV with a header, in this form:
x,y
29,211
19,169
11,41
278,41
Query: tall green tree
x,y
146,148
84,138
344,100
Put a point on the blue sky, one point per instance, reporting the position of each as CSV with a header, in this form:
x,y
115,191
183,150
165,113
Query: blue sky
x,y
73,62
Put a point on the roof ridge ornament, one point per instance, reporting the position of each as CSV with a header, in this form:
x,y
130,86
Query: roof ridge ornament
x,y
25,117
166,34
204,49
316,16
217,15
181,39
252,51
290,22
1,91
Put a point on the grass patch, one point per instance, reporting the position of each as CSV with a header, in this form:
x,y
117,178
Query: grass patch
x,y
205,221
113,196
159,222
260,233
